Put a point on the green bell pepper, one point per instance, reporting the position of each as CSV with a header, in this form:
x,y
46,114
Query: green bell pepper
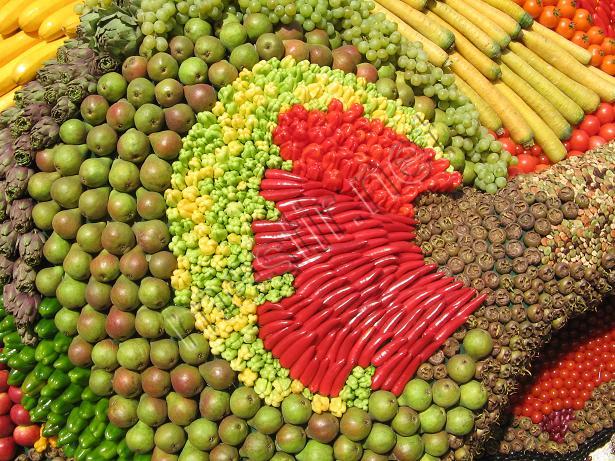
x,y
66,437
29,402
80,376
46,329
86,409
51,429
49,307
88,395
58,380
68,449
7,324
42,371
65,401
24,361
100,411
112,432
16,377
56,418
45,352
61,342
12,340
32,385
123,450
40,412
75,423
106,450
63,363
81,453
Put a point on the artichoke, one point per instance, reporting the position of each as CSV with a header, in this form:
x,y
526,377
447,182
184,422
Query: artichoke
x,y
32,92
23,306
6,270
118,34
8,239
103,64
30,247
24,276
7,159
8,116
45,133
17,182
20,214
4,202
23,151
63,110
81,87
5,137
9,294
55,91
29,116
78,54
53,72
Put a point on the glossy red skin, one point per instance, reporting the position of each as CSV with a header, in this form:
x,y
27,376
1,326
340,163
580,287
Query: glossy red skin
x,y
26,436
15,394
8,449
6,426
607,131
590,124
20,416
4,375
579,140
5,404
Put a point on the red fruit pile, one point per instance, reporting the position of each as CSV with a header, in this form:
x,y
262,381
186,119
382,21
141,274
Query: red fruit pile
x,y
571,368
16,429
363,292
556,424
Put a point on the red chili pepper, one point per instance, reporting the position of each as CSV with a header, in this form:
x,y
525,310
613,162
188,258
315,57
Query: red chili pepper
x,y
407,278
273,316
295,203
462,300
427,280
340,379
433,307
306,290
302,212
271,226
327,328
381,374
267,329
367,353
344,346
368,279
313,321
273,262
324,344
323,369
460,318
312,260
352,216
327,381
268,274
267,237
407,236
405,376
309,310
300,365
268,307
295,303
279,184
287,342
271,340
391,248
340,207
390,260
361,344
265,249
341,306
406,257
290,355
310,272
346,247
402,359
281,194
274,173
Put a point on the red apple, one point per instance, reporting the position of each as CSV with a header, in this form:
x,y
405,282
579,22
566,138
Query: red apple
x,y
20,416
15,394
26,435
8,449
5,404
6,426
4,375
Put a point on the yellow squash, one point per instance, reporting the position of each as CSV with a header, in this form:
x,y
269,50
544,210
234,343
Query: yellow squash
x,y
9,16
32,16
51,28
28,64
6,78
69,26
15,45
6,101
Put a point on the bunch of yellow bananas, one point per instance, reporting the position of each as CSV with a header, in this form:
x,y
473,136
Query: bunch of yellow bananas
x,y
30,34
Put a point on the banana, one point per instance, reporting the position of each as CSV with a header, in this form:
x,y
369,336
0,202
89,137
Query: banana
x,y
14,45
9,16
31,18
28,64
51,27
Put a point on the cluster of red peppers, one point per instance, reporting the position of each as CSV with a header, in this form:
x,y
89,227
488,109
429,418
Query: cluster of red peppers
x,y
363,292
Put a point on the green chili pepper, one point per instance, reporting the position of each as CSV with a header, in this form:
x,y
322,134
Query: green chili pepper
x,y
56,418
100,411
65,436
123,450
24,361
63,363
7,324
79,376
51,429
28,402
61,342
88,396
40,412
75,422
46,329
68,449
32,385
12,340
45,352
106,450
81,452
49,307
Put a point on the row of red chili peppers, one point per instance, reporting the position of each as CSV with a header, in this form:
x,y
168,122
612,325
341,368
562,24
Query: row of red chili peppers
x,y
352,154
363,293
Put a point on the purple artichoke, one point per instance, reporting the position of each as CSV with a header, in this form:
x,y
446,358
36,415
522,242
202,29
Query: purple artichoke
x,y
26,309
53,72
7,159
78,55
9,295
81,87
5,137
55,91
32,92
103,64
20,214
17,182
30,115
23,276
8,116
8,239
4,202
63,110
24,153
30,247
6,269
45,133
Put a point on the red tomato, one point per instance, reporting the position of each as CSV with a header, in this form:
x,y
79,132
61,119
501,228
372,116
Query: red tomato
x,y
565,27
533,7
590,124
527,163
505,133
6,426
26,435
15,394
583,19
597,55
8,449
519,149
574,153
608,45
596,35
5,404
536,150
605,113
567,8
543,159
508,145
20,416
580,38
596,141
541,167
607,131
608,64
579,140
549,17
